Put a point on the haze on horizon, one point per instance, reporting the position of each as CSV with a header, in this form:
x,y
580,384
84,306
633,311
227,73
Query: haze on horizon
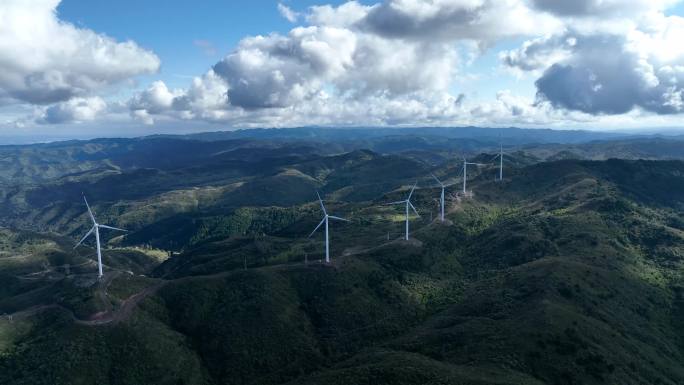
x,y
83,69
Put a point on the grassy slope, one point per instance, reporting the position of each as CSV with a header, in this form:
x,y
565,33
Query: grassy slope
x,y
578,280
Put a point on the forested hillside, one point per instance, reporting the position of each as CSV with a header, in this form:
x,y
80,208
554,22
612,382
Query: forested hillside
x,y
569,271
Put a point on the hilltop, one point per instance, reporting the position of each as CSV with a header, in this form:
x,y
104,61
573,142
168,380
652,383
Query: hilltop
x,y
570,271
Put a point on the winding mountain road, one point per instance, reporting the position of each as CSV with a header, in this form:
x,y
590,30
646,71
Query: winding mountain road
x,y
108,316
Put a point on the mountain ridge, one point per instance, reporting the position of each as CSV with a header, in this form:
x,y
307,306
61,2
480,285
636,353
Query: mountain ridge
x,y
569,271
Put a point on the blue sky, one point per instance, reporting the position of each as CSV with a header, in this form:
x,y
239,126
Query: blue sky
x,y
179,27
171,28
89,68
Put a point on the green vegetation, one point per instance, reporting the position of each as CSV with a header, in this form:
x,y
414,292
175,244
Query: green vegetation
x,y
568,272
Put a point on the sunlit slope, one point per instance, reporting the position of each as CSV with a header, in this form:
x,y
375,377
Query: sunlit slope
x,y
568,272
149,201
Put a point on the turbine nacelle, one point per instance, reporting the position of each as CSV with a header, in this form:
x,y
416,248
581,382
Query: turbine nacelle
x,y
438,181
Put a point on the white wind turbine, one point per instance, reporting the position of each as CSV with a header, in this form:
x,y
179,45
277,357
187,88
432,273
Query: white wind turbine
x,y
408,204
500,156
465,173
325,220
96,229
441,197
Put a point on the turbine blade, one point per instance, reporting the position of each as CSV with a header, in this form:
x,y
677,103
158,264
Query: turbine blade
x,y
411,193
438,181
459,173
319,225
112,228
90,212
321,202
414,209
338,218
394,203
85,236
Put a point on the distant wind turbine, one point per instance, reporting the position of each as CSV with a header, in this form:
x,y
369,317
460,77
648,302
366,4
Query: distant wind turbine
x,y
465,173
408,204
326,217
441,197
96,229
500,156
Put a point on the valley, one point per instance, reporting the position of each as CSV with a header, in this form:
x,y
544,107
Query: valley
x,y
568,271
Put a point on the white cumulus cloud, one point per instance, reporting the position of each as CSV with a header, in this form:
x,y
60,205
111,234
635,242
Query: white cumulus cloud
x,y
397,62
74,110
45,60
602,8
288,13
609,73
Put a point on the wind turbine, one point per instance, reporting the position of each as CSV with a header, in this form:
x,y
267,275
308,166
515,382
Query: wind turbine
x,y
441,198
326,217
96,229
500,156
465,173
408,204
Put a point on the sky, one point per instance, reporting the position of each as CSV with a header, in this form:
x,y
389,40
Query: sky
x,y
91,68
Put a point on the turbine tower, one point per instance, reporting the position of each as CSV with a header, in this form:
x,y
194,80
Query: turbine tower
x,y
465,173
500,156
441,198
408,204
96,229
501,161
326,217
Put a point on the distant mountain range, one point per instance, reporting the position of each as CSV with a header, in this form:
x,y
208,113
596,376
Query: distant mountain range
x,y
514,134
510,135
41,162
